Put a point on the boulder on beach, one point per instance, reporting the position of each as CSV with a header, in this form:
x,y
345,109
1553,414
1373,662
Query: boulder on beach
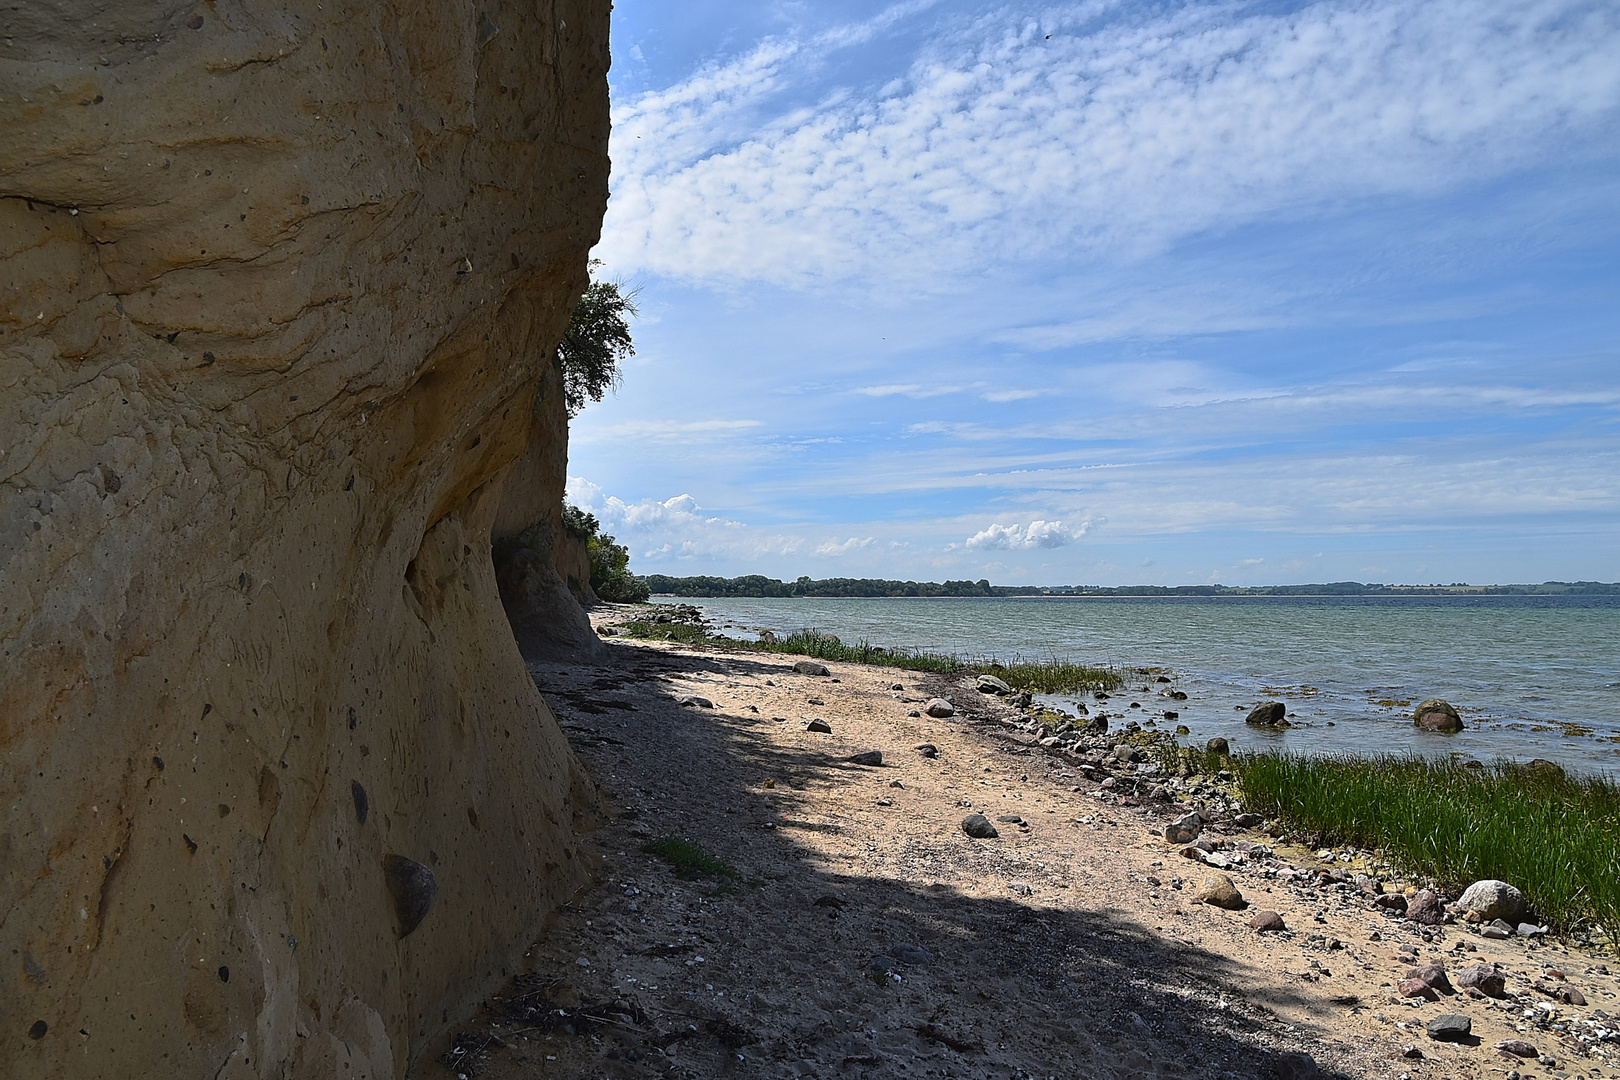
x,y
867,757
1483,977
978,826
1491,899
1185,829
939,708
1434,976
810,667
1450,1028
989,684
1218,746
1436,715
1268,714
1218,891
1267,922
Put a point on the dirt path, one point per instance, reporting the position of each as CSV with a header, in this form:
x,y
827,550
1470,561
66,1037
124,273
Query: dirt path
x,y
870,937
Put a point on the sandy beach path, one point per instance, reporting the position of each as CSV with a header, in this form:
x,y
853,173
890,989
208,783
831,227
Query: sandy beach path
x,y
868,936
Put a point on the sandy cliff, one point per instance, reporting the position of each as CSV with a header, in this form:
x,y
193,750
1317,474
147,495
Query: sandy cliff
x,y
279,283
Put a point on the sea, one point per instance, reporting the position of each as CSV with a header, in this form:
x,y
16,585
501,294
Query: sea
x,y
1532,676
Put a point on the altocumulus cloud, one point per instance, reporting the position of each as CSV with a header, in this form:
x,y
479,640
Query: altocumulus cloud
x,y
1037,534
1091,127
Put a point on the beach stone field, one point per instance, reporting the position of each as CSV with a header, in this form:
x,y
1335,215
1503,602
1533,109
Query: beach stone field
x,y
880,887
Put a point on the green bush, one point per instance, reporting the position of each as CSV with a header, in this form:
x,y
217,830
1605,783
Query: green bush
x,y
611,578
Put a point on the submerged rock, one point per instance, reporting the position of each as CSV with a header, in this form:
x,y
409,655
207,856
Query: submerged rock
x,y
1268,714
1436,715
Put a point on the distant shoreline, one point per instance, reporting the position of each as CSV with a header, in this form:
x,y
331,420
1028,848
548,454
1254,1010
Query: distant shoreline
x,y
759,587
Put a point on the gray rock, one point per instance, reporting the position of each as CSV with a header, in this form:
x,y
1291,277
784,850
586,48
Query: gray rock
x,y
914,955
927,749
693,701
1268,714
896,686
810,667
978,826
1525,929
1390,901
1450,1027
913,713
939,708
989,684
1496,931
1436,715
1491,899
1009,819
1218,746
1297,1066
819,725
868,757
1185,829
1248,821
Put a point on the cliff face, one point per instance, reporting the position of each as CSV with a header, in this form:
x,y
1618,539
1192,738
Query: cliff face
x,y
278,285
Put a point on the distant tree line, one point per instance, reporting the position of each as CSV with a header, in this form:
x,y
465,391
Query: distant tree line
x,y
756,585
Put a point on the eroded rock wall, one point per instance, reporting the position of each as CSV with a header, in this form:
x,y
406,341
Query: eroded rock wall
x,y
278,287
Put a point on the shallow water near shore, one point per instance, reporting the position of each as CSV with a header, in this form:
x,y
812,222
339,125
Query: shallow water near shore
x,y
1533,676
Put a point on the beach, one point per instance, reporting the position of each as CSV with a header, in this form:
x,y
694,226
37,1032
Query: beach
x,y
855,929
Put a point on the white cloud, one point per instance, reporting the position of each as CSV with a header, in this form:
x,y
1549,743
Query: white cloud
x,y
911,390
1037,534
1091,127
676,529
854,543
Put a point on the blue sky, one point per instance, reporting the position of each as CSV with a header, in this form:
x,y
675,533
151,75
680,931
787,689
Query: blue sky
x,y
1115,293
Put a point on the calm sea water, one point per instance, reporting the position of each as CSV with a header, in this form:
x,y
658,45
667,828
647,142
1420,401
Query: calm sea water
x,y
1533,676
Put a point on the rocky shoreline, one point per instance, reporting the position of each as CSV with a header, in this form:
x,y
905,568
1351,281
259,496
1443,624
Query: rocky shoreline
x,y
1123,920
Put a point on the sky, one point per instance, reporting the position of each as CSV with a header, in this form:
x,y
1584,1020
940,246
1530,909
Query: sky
x,y
1115,293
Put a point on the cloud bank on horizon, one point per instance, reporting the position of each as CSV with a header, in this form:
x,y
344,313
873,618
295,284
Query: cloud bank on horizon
x,y
1110,291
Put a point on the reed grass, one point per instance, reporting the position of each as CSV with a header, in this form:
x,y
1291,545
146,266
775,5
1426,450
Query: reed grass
x,y
1554,836
1052,676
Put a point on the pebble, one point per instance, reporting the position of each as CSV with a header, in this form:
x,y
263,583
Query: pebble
x,y
978,826
1516,1047
927,749
1267,922
1424,908
694,701
1248,821
819,725
1433,975
1450,1027
915,955
867,757
940,709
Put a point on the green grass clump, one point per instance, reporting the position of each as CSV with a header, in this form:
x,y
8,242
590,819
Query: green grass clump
x,y
1555,837
683,632
1052,676
689,860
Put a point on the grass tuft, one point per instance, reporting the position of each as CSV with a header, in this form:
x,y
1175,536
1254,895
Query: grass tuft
x,y
1045,677
1555,837
688,859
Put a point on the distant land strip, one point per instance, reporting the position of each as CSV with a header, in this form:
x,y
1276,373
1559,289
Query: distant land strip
x,y
755,585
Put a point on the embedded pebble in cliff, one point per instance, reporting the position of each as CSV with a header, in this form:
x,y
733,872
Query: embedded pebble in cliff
x,y
1268,714
939,708
413,888
1436,715
362,804
810,667
978,826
